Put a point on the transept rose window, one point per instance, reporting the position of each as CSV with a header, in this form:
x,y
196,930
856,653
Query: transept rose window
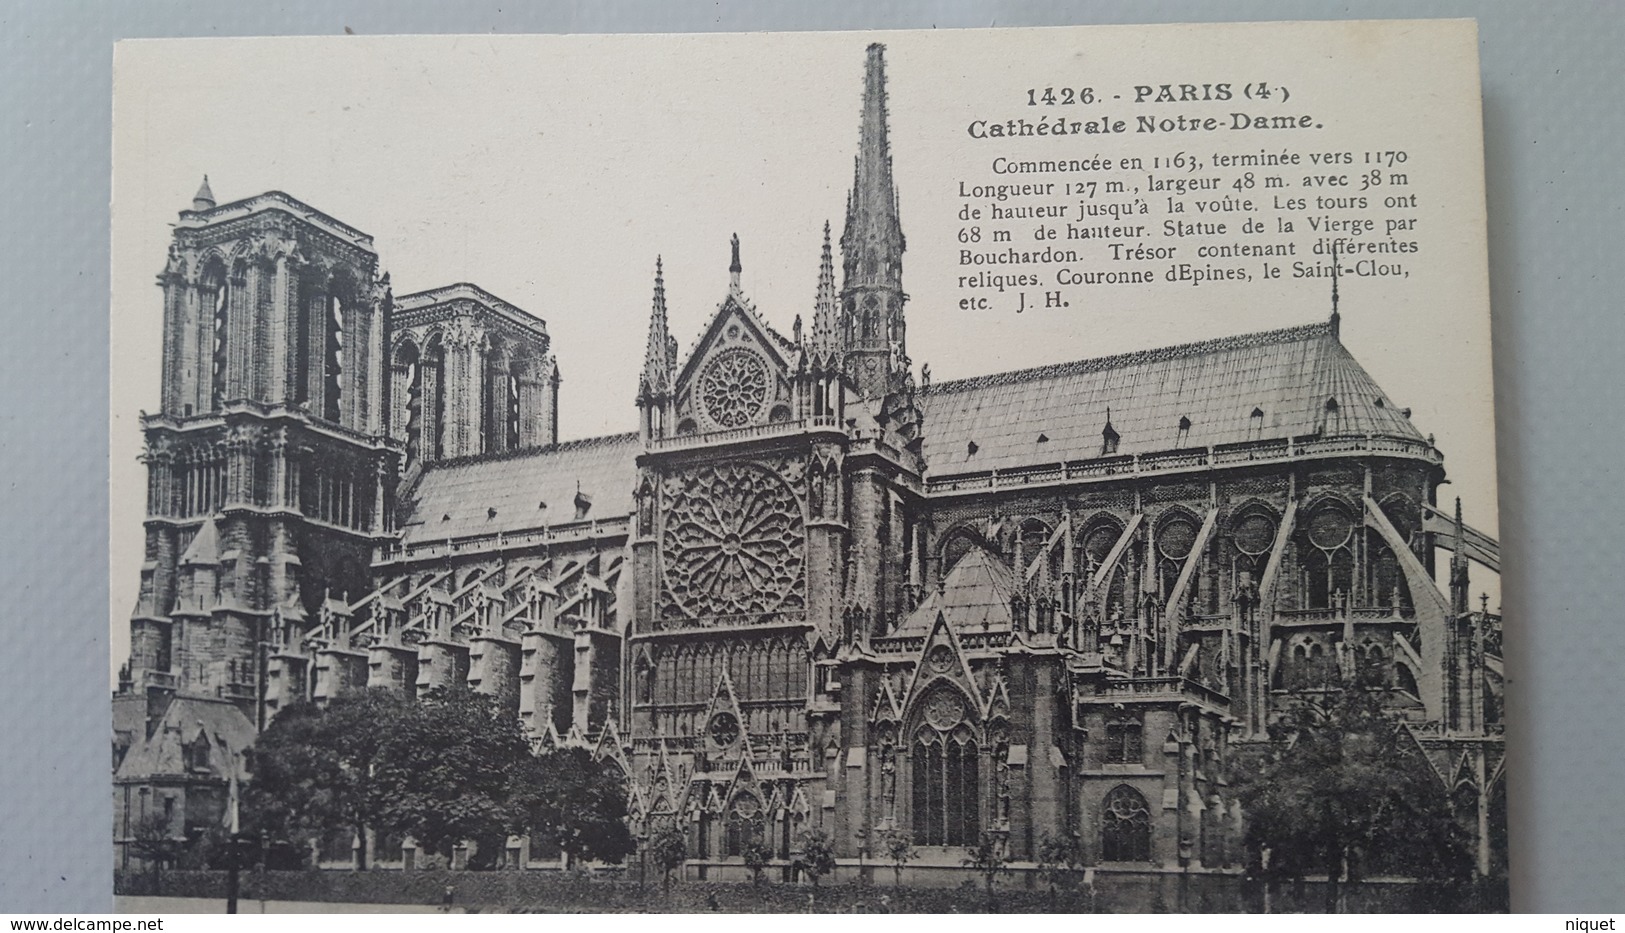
x,y
734,388
733,542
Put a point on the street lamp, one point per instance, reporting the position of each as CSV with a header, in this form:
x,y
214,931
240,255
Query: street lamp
x,y
236,845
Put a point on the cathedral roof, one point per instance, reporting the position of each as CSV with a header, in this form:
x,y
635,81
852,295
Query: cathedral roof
x,y
545,486
1301,380
975,596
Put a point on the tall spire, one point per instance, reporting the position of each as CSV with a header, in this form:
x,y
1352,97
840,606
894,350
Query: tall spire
x,y
659,356
872,228
871,315
204,199
826,306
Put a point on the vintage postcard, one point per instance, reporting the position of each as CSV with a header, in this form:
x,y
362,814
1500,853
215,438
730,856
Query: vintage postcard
x,y
1013,470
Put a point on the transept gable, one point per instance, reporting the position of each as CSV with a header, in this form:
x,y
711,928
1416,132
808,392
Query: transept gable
x,y
736,310
738,374
941,660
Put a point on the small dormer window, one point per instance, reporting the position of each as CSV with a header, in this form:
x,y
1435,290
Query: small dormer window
x,y
583,505
1333,421
1255,425
491,512
971,448
196,755
1108,440
1184,431
1043,438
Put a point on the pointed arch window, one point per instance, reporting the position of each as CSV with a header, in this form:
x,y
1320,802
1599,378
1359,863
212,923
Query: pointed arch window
x,y
434,394
333,357
1328,561
513,408
216,294
1385,586
746,825
1125,826
407,383
1175,539
1098,541
1371,664
946,767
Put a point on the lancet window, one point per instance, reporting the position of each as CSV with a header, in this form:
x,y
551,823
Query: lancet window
x,y
333,321
1384,581
215,293
946,769
1125,826
1327,557
1175,539
746,825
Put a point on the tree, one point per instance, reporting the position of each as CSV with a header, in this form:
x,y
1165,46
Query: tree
x,y
1060,860
315,770
989,860
1341,788
757,857
458,768
579,805
898,847
450,768
669,850
817,855
153,843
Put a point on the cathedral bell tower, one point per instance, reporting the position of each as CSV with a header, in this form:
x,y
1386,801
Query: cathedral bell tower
x,y
871,317
268,467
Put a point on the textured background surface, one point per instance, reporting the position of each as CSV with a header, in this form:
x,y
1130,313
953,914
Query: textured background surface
x,y
1553,137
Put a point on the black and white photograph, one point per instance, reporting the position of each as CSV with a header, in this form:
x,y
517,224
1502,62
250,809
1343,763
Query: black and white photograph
x,y
978,470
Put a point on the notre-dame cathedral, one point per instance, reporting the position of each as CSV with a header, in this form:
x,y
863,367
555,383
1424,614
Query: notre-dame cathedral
x,y
812,590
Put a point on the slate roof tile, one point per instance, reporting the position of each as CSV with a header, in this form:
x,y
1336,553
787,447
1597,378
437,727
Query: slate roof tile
x,y
455,499
1286,374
